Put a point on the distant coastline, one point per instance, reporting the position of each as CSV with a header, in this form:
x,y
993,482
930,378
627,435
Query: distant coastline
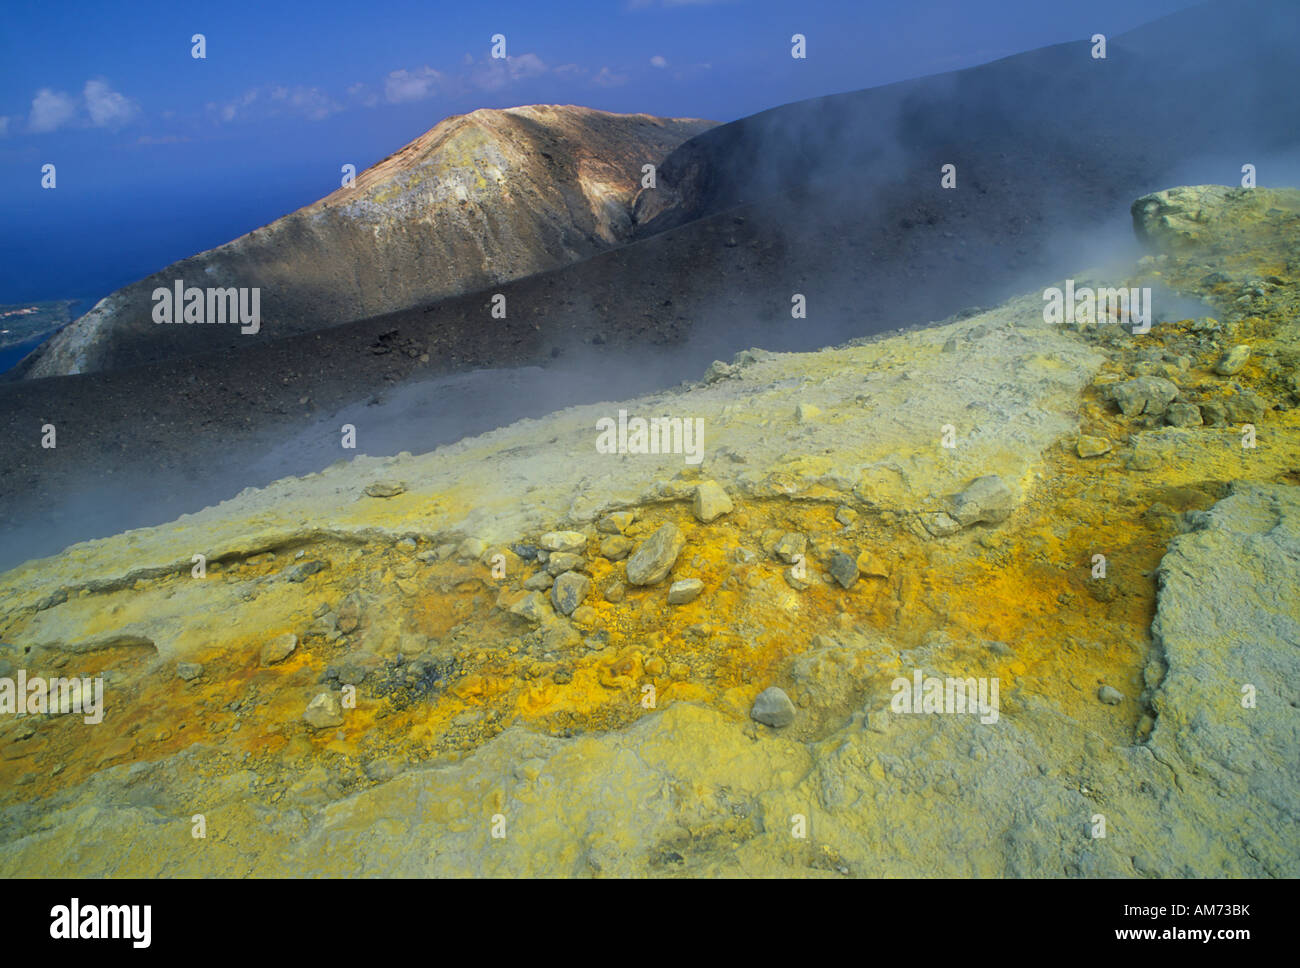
x,y
25,326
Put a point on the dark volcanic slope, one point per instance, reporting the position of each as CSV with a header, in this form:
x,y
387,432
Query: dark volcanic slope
x,y
1213,79
871,246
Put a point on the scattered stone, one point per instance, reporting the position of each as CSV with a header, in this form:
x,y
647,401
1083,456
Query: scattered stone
x,y
349,614
711,501
615,547
385,488
791,546
493,556
563,541
655,666
939,524
615,592
773,708
561,637
279,648
1092,446
471,549
1244,407
526,552
1213,413
1176,218
189,670
562,561
1184,415
305,569
584,615
1148,394
686,590
843,568
616,522
539,582
719,371
352,669
532,607
988,500
1232,361
324,712
806,413
796,577
1110,695
846,516
1146,455
656,555
569,590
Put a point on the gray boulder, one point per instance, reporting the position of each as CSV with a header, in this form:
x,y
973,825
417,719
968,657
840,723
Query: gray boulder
x,y
1147,394
988,500
569,590
656,555
324,712
773,708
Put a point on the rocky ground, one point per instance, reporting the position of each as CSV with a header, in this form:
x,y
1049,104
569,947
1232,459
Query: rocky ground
x,y
520,655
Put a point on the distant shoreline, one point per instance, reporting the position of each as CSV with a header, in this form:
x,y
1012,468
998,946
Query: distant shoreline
x,y
21,333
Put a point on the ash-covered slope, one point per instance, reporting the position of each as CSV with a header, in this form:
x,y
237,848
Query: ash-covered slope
x,y
479,199
1207,81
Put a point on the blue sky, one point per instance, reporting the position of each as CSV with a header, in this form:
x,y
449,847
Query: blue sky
x,y
159,155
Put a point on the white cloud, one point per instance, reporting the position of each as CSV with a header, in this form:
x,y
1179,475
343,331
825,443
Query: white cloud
x,y
498,72
107,107
276,101
525,65
488,74
403,85
232,109
51,110
362,94
607,78
310,102
658,61
99,106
